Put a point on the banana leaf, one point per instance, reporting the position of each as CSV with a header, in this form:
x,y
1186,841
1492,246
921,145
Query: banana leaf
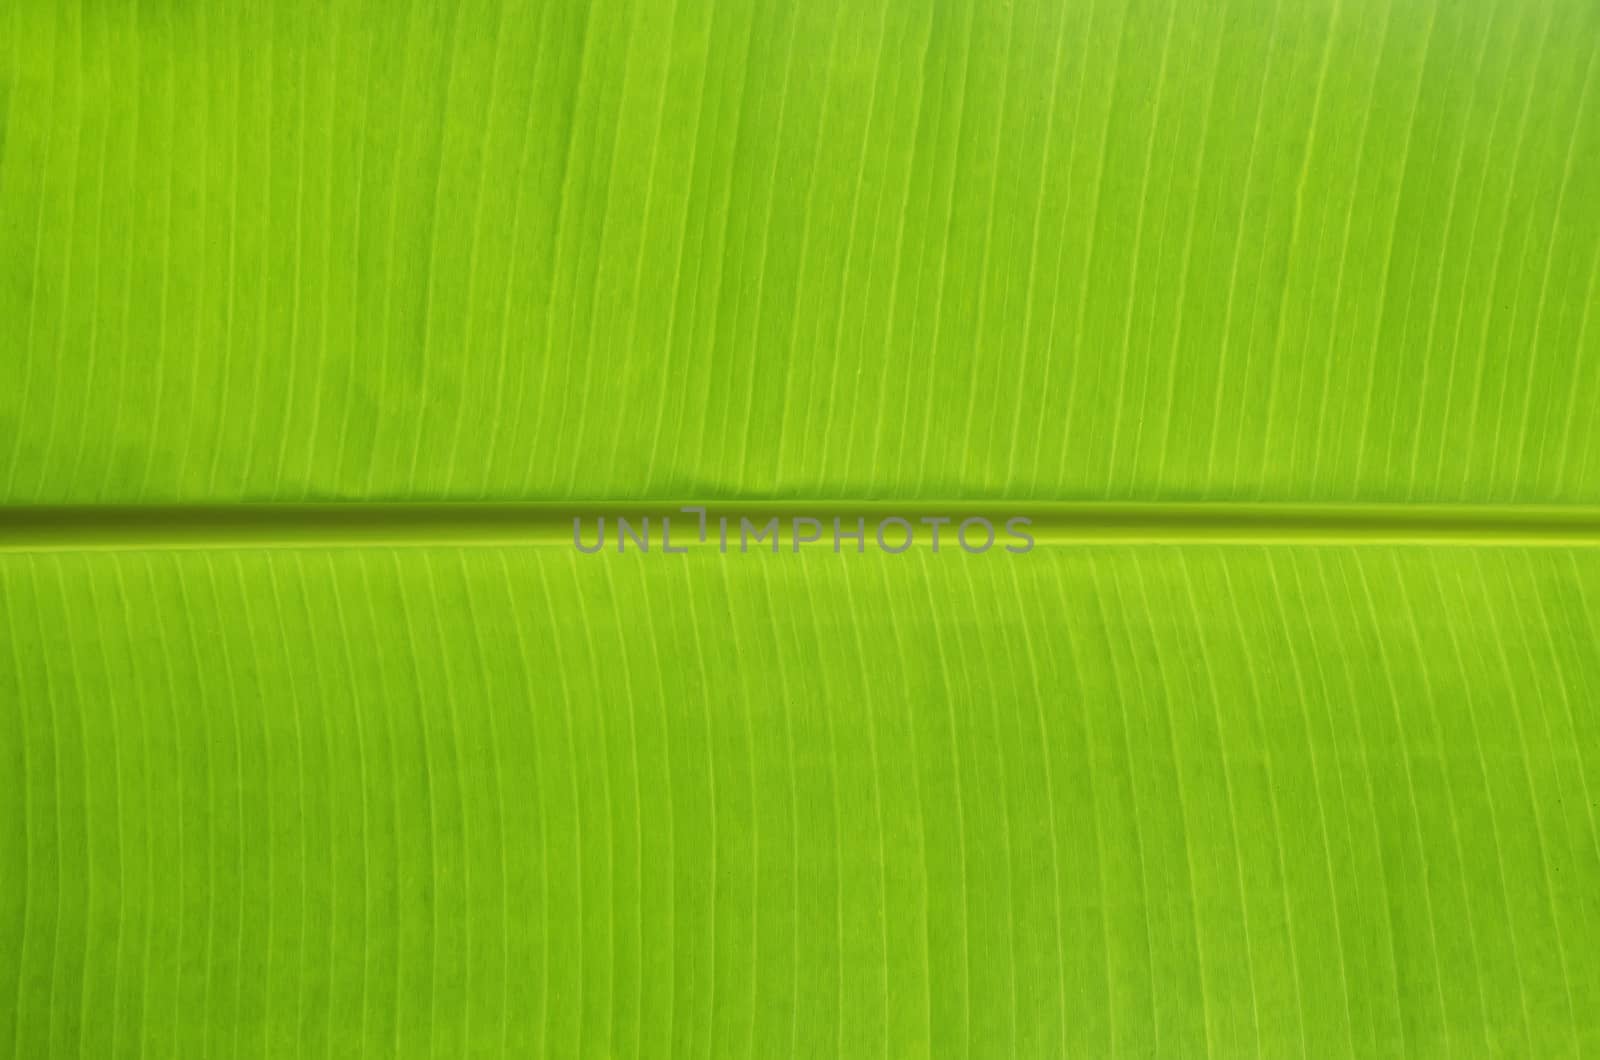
x,y
322,321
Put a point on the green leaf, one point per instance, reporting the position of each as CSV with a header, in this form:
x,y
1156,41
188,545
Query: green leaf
x,y
1277,319
1152,801
1302,251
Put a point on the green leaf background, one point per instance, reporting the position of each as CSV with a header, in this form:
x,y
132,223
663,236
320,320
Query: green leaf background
x,y
427,249
1101,799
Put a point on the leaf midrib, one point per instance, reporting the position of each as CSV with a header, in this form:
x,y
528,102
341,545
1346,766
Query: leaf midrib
x,y
550,523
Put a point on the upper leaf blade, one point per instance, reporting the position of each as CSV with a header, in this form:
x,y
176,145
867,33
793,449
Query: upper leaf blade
x,y
526,250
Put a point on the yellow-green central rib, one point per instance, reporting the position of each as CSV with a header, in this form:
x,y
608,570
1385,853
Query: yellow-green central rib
x,y
551,524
